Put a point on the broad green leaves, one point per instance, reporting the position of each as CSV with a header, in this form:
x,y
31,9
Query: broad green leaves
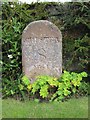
x,y
44,91
68,84
43,84
25,80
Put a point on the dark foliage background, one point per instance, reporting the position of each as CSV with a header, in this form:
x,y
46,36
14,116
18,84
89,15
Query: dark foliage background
x,y
73,19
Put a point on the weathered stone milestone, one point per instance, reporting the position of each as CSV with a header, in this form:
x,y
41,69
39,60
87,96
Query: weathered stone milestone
x,y
41,50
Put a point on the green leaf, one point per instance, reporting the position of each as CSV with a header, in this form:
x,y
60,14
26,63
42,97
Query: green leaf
x,y
29,87
66,92
12,92
21,87
35,87
52,82
60,92
74,90
61,97
44,91
84,74
25,80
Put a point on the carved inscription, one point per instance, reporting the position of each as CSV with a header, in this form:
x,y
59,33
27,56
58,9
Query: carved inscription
x,y
42,52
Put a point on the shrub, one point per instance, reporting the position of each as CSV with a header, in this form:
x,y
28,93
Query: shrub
x,y
47,87
52,88
69,84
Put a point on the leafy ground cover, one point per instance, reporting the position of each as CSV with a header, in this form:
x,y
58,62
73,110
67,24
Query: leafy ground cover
x,y
73,108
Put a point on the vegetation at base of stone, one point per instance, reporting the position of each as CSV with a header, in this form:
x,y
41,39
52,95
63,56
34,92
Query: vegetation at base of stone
x,y
73,19
50,88
59,89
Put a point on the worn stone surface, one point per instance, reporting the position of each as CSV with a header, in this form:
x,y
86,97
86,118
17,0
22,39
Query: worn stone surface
x,y
41,49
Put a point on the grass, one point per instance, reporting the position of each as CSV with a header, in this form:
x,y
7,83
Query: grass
x,y
73,108
0,108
